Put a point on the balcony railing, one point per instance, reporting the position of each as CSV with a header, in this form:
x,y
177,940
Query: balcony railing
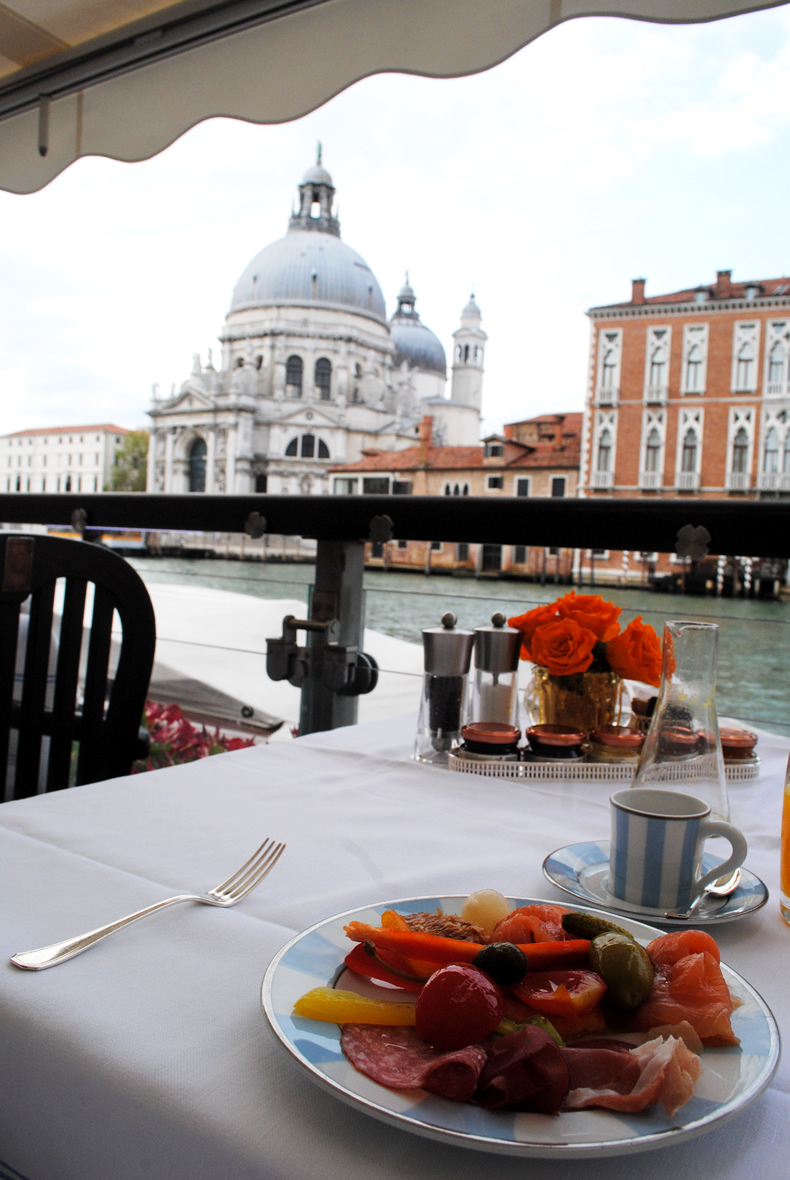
x,y
687,481
656,394
650,481
737,481
342,524
774,481
603,480
775,388
608,395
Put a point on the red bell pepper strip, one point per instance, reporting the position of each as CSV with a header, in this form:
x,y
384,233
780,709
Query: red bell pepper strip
x,y
361,963
433,948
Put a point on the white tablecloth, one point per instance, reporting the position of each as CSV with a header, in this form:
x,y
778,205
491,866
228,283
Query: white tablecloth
x,y
148,1056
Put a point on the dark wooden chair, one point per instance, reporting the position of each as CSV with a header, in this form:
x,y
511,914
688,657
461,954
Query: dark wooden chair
x,y
65,687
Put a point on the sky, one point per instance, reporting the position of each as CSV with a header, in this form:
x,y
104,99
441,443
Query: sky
x,y
604,151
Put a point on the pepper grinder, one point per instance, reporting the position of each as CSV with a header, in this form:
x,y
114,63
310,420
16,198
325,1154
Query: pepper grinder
x,y
447,652
495,690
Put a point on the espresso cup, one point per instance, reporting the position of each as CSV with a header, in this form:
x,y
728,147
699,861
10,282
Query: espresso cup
x,y
657,844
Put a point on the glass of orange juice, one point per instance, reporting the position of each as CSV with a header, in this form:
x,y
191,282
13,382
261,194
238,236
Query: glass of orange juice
x,y
785,869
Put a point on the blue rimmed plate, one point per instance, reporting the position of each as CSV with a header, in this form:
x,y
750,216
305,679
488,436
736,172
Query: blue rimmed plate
x,y
583,871
731,1079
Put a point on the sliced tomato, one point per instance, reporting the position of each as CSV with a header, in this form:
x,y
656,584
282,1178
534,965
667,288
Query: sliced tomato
x,y
560,993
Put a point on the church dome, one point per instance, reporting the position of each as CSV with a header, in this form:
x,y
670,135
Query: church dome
x,y
308,267
414,342
311,266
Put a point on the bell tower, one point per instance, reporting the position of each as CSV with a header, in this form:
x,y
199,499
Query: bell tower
x,y
316,197
468,355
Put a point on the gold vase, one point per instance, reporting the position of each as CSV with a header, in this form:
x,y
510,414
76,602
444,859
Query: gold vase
x,y
584,700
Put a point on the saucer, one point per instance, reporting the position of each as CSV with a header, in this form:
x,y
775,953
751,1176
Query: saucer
x,y
583,871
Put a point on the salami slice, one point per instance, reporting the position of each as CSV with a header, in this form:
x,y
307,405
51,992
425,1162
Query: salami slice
x,y
396,1057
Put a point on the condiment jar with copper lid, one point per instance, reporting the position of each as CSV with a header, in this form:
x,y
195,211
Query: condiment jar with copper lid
x,y
447,654
489,741
554,743
495,686
738,746
616,743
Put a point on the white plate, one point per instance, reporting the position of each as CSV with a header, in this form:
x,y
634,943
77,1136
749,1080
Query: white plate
x,y
583,871
731,1080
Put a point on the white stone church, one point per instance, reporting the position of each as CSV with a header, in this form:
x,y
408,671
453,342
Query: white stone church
x,y
312,372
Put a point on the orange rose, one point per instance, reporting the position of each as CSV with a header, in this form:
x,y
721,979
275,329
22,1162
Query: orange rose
x,y
590,611
528,623
563,647
636,653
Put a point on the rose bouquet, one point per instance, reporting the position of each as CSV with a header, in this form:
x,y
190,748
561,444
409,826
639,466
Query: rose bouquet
x,y
582,656
174,740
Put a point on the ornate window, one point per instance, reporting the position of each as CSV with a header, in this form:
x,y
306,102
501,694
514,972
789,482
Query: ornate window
x,y
323,378
609,350
657,363
771,452
695,351
604,455
744,358
777,351
197,466
653,450
786,455
688,457
740,451
293,376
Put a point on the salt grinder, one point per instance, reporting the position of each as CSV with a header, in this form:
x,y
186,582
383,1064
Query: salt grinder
x,y
494,694
447,654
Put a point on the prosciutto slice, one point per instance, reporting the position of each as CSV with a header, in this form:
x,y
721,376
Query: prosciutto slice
x,y
396,1057
667,1073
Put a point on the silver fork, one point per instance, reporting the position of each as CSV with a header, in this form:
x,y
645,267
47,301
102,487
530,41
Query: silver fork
x,y
237,886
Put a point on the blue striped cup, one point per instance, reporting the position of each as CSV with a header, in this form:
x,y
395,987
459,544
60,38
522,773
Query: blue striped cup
x,y
656,850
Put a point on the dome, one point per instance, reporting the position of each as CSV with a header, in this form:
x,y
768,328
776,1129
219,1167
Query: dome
x,y
471,308
310,267
317,175
414,343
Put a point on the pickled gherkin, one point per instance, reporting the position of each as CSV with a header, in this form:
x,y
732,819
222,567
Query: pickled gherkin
x,y
625,967
582,925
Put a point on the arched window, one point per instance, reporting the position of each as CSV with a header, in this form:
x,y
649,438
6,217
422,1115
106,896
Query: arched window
x,y
786,455
447,490
771,452
197,466
688,457
608,369
658,367
653,450
466,489
694,369
293,375
466,352
456,490
604,451
323,378
743,371
740,450
306,447
776,365
358,370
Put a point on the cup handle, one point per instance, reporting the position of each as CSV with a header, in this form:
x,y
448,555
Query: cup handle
x,y
737,841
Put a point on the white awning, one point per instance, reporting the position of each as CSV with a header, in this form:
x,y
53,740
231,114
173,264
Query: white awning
x,y
124,78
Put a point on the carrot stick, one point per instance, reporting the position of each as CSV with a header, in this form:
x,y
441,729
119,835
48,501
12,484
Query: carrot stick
x,y
433,948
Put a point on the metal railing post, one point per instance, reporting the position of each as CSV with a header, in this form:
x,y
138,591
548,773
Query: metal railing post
x,y
337,594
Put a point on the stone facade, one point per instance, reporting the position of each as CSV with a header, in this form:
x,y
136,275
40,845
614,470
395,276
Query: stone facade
x,y
311,371
59,458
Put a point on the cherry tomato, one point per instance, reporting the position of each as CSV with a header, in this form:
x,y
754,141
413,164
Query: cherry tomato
x,y
560,993
458,1006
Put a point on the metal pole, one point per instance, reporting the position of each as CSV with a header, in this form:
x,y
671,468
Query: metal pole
x,y
337,594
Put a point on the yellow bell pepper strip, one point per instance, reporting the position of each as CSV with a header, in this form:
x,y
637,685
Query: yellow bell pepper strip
x,y
341,1007
433,948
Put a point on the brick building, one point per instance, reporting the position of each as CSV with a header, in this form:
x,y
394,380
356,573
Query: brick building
x,y
537,457
688,396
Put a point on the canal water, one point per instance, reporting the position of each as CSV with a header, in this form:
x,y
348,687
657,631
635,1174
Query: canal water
x,y
754,640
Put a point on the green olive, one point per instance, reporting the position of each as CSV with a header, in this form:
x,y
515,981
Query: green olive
x,y
503,961
625,967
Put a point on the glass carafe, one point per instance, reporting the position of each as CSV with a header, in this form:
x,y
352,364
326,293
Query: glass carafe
x,y
682,750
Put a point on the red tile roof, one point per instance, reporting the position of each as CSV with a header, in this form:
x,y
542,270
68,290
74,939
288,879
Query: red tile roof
x,y
714,291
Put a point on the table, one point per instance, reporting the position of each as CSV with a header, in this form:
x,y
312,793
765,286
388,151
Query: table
x,y
148,1056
